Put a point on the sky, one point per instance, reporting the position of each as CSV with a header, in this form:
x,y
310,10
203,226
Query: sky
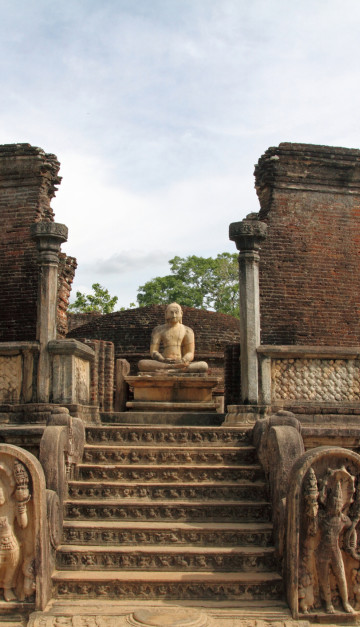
x,y
159,109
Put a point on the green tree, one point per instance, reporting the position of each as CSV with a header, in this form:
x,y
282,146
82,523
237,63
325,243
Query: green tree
x,y
100,300
201,282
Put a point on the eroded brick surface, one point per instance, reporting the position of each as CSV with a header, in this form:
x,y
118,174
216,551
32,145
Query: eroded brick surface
x,y
309,262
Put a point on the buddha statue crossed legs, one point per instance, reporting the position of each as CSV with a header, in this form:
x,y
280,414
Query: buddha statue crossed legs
x,y
178,346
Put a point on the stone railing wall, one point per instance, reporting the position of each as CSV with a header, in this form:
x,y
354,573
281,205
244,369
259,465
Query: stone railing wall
x,y
70,372
18,364
308,374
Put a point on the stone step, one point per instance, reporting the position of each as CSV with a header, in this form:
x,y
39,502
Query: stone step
x,y
166,558
172,406
207,491
170,456
216,511
125,533
114,584
168,436
169,474
166,418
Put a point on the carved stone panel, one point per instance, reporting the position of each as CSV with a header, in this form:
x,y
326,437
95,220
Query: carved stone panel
x,y
316,379
10,378
323,513
23,533
82,380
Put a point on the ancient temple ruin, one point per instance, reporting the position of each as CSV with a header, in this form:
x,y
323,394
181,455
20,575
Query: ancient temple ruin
x,y
234,497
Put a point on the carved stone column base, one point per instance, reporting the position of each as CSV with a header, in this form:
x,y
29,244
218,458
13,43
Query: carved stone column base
x,y
245,414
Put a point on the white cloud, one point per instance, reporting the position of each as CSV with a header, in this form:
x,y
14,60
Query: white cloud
x,y
158,111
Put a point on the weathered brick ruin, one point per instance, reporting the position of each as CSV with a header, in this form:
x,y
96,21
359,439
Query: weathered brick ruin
x,y
28,182
309,261
28,178
162,508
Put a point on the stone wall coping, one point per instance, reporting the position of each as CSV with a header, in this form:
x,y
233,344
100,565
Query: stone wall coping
x,y
15,348
311,352
334,431
71,347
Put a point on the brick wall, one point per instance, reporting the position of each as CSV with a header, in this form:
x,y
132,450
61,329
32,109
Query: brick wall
x,y
28,180
75,320
309,262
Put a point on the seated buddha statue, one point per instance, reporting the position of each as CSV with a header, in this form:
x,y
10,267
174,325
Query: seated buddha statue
x,y
172,346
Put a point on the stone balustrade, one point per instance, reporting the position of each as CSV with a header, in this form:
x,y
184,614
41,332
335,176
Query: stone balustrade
x,y
303,374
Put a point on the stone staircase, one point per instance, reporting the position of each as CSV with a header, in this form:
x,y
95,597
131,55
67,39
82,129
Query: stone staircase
x,y
167,512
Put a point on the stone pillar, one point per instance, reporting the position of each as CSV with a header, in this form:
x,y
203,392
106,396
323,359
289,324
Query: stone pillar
x,y
121,387
248,235
49,236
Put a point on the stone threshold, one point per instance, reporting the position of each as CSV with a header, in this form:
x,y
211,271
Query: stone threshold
x,y
166,614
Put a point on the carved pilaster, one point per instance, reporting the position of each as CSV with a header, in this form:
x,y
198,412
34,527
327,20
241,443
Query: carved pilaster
x,y
248,235
49,236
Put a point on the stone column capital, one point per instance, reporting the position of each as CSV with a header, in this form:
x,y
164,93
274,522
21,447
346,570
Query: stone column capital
x,y
248,234
49,236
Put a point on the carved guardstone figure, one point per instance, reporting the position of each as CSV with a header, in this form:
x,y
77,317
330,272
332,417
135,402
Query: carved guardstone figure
x,y
178,346
11,509
331,524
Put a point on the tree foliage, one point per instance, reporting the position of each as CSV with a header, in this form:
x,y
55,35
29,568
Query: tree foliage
x,y
100,300
201,282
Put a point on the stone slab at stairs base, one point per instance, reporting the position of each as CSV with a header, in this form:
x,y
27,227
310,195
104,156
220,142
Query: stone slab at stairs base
x,y
162,614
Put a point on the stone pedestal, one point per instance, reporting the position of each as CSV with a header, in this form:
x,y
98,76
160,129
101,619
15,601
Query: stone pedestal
x,y
165,392
70,371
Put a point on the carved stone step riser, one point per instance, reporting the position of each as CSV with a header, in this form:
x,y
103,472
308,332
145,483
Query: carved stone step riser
x,y
165,562
175,537
169,475
203,493
256,512
173,458
166,591
182,437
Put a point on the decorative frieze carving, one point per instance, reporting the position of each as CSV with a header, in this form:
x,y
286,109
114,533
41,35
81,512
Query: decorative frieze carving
x,y
195,536
183,436
170,474
174,457
94,491
192,590
316,379
257,511
241,560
